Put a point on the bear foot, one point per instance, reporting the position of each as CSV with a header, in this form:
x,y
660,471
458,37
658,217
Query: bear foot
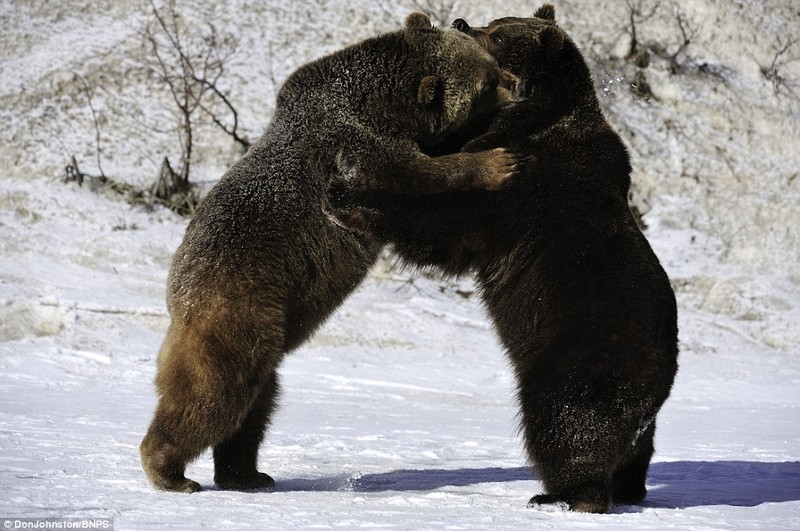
x,y
164,465
629,496
177,485
255,481
592,503
186,485
548,502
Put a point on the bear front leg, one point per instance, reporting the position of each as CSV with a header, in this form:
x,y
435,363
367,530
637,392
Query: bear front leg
x,y
413,172
486,170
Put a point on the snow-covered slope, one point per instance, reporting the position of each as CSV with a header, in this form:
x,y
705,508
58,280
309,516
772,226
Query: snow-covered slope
x,y
400,412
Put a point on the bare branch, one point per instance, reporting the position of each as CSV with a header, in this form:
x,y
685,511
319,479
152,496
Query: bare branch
x,y
190,66
636,15
224,99
89,91
773,73
688,32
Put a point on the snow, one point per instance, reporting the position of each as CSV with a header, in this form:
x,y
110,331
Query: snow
x,y
400,412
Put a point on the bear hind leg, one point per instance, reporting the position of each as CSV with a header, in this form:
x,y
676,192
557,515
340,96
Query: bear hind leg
x,y
202,403
570,445
573,475
236,458
629,479
169,445
165,462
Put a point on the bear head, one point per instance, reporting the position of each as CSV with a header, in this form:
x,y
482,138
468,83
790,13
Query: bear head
x,y
456,82
546,61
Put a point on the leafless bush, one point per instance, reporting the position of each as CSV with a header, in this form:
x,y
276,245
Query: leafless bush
x,y
674,51
189,62
72,172
89,92
784,55
688,31
639,11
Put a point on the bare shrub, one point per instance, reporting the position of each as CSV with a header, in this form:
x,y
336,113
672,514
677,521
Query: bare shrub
x,y
189,62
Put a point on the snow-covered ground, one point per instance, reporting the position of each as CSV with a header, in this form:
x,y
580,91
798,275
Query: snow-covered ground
x,y
400,412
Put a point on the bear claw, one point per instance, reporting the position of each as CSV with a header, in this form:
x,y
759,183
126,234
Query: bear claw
x,y
500,166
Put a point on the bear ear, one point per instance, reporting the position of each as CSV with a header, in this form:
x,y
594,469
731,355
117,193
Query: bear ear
x,y
551,40
546,12
418,20
429,89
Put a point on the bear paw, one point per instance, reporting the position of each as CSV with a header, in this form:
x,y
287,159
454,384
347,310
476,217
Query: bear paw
x,y
593,502
548,503
178,485
498,166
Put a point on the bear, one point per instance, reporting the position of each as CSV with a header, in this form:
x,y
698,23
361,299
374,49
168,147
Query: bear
x,y
581,303
260,266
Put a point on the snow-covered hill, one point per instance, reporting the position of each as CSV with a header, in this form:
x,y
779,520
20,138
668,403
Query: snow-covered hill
x,y
400,412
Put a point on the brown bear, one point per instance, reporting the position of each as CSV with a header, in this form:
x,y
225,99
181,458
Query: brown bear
x,y
260,266
577,296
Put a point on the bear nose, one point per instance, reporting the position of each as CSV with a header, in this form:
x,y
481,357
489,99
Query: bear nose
x,y
461,25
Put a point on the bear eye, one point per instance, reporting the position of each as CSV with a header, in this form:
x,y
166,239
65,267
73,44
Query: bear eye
x,y
497,39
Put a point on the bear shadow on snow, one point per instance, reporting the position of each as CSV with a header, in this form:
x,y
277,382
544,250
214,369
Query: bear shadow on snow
x,y
579,300
684,484
674,484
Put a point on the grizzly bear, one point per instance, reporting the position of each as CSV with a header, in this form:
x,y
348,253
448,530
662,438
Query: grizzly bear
x,y
261,267
580,301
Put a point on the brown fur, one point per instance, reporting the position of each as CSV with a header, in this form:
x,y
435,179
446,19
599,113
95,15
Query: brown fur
x,y
261,267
